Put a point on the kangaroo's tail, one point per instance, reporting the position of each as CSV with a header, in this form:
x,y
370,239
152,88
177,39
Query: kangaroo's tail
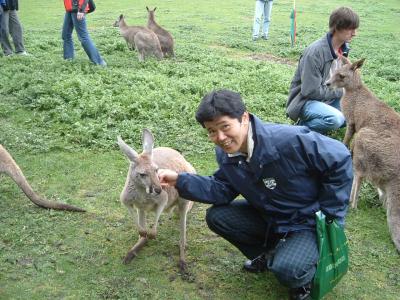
x,y
393,213
10,167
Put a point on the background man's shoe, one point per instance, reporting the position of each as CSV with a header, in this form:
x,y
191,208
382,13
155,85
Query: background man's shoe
x,y
301,293
256,265
23,53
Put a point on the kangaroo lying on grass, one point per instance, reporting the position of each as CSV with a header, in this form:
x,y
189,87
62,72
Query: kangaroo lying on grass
x,y
376,155
359,105
165,38
10,167
140,38
143,191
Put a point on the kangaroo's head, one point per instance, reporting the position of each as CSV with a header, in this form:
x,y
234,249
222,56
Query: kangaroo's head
x,y
347,76
142,170
119,21
151,12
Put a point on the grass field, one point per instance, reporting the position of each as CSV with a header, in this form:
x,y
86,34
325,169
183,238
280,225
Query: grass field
x,y
60,121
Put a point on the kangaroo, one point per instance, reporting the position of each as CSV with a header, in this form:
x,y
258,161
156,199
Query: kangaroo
x,y
376,157
140,38
377,141
165,38
359,105
10,168
143,191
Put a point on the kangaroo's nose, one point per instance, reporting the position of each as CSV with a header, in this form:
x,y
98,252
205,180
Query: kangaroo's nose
x,y
157,190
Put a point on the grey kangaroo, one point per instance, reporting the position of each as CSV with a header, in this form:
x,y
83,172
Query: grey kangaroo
x,y
9,167
376,145
165,38
140,38
376,157
143,191
359,105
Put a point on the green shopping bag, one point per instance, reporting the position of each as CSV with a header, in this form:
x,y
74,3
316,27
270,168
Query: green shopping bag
x,y
333,261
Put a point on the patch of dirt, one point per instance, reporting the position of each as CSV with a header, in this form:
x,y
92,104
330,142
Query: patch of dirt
x,y
270,57
255,56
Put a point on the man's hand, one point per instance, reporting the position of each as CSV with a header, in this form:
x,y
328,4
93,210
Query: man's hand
x,y
80,15
167,177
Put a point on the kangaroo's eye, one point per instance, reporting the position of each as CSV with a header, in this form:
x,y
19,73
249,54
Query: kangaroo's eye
x,y
142,175
341,76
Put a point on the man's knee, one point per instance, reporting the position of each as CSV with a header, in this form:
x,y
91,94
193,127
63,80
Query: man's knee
x,y
336,121
292,274
211,217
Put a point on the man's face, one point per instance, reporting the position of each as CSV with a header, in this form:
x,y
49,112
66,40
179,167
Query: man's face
x,y
228,133
346,35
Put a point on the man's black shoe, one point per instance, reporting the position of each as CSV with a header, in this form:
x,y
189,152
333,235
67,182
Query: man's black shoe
x,y
301,293
256,265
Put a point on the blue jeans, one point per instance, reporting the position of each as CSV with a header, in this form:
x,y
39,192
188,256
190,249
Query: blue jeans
x,y
263,9
11,26
322,117
70,22
292,257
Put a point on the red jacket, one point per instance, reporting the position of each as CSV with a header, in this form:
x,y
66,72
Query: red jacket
x,y
76,5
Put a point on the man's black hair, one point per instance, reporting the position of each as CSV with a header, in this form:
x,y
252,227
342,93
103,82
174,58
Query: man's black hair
x,y
220,103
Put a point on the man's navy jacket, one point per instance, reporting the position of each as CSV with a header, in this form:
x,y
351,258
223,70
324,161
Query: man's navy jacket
x,y
293,173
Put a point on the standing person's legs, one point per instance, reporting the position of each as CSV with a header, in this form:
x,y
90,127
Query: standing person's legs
x,y
15,29
86,41
241,225
5,42
321,117
1,18
259,10
68,43
295,260
267,18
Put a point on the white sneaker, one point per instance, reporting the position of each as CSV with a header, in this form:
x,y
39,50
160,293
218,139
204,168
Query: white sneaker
x,y
23,53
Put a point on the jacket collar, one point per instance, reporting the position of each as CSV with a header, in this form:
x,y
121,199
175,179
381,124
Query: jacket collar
x,y
345,47
264,150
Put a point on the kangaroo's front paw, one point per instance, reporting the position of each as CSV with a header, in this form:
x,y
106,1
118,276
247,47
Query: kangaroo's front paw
x,y
128,257
152,234
142,232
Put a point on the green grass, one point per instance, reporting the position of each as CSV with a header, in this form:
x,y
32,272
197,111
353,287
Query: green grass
x,y
60,121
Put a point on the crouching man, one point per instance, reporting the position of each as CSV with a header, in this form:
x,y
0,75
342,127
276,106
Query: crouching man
x,y
285,174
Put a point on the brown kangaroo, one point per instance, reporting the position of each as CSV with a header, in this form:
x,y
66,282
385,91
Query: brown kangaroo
x,y
10,167
376,158
165,38
140,38
143,191
359,105
376,155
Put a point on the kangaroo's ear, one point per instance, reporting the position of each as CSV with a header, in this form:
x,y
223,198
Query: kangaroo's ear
x,y
121,16
148,141
127,150
154,8
147,8
345,60
358,64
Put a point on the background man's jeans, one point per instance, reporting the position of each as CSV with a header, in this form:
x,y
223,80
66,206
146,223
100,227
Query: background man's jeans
x,y
70,22
322,117
263,9
10,25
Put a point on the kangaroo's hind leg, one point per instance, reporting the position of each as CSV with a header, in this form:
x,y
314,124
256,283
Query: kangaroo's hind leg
x,y
184,208
141,224
355,189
